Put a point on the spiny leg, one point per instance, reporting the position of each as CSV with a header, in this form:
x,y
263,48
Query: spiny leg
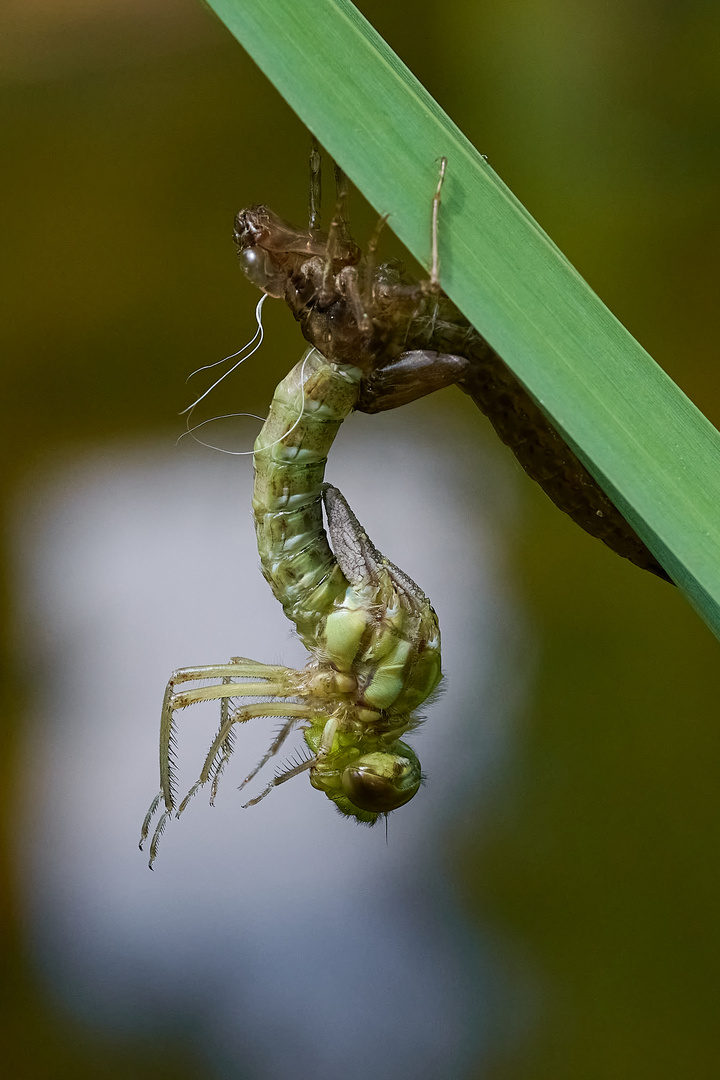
x,y
358,286
218,753
368,273
227,688
228,745
340,245
419,372
315,192
274,684
144,832
355,298
275,745
287,774
159,828
302,765
341,211
217,756
434,282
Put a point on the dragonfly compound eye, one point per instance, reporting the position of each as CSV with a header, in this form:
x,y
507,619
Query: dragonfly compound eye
x,y
382,782
259,268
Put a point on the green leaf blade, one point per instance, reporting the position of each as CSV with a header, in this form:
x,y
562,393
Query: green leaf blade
x,y
654,453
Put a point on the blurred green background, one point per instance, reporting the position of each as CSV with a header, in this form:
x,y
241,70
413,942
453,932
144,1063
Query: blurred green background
x,y
131,132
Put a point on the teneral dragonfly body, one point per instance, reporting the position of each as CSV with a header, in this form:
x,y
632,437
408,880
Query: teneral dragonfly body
x,y
371,631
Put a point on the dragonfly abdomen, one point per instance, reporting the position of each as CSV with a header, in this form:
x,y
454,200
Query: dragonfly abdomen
x,y
291,451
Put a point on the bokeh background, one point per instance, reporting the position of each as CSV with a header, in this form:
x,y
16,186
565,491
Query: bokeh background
x,y
548,906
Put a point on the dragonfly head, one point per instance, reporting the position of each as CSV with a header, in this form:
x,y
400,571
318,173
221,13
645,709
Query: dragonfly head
x,y
269,246
253,235
372,784
382,781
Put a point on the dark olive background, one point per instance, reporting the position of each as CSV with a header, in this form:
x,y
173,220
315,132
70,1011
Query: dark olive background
x,y
131,132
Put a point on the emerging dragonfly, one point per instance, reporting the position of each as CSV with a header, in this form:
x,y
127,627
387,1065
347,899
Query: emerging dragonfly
x,y
372,634
409,339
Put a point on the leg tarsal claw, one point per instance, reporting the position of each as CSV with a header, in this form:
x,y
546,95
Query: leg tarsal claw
x,y
159,830
144,832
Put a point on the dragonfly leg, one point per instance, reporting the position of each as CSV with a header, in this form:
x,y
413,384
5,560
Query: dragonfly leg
x,y
274,681
258,680
218,756
275,745
340,245
368,271
356,300
298,767
281,778
340,220
413,375
223,744
315,192
434,283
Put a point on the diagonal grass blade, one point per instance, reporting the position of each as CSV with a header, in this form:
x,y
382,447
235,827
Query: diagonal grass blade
x,y
656,455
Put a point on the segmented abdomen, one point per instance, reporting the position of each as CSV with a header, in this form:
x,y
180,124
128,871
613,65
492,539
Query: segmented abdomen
x,y
307,409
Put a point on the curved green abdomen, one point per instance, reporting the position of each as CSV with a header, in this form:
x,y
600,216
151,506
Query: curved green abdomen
x,y
307,410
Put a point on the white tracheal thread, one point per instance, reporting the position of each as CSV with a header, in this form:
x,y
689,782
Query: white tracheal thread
x,y
253,345
226,416
258,336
